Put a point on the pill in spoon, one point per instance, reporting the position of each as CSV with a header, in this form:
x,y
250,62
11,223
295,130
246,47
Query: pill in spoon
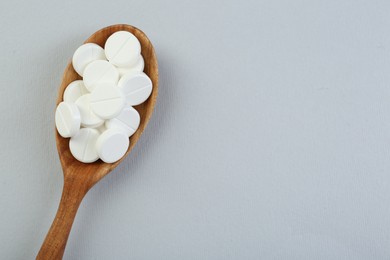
x,y
112,83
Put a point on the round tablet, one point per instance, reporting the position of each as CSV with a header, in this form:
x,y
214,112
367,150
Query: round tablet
x,y
128,121
112,145
122,49
107,101
67,119
88,118
99,72
83,145
137,67
85,54
74,90
136,87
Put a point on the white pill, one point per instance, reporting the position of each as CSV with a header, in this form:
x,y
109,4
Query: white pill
x,y
128,121
83,145
88,118
112,145
85,54
67,119
100,72
137,67
74,90
122,49
107,101
136,87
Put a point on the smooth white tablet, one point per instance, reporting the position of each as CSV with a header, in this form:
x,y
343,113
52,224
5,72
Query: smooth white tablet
x,y
107,101
83,145
136,87
74,90
137,67
88,118
85,54
112,145
67,119
100,72
122,49
128,121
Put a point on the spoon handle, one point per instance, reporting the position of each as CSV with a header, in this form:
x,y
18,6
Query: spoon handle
x,y
73,193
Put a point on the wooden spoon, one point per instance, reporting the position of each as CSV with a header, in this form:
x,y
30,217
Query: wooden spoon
x,y
80,177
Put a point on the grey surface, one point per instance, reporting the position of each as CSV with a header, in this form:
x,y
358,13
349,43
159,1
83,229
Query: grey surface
x,y
270,139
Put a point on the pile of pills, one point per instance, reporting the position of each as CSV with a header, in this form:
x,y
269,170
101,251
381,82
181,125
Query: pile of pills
x,y
97,112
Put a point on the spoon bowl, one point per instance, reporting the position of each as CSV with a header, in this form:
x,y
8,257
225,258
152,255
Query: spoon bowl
x,y
80,177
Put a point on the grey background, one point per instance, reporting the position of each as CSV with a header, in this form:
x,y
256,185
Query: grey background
x,y
270,139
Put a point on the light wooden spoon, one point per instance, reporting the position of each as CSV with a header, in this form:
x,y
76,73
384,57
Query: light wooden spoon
x,y
80,177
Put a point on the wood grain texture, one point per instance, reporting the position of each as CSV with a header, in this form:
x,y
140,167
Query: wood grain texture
x,y
80,177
